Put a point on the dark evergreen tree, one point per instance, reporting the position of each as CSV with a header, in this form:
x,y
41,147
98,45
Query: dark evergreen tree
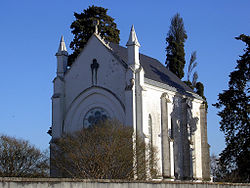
x,y
83,27
199,87
176,37
235,107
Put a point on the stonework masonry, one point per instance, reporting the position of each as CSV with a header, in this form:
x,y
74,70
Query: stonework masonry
x,y
81,183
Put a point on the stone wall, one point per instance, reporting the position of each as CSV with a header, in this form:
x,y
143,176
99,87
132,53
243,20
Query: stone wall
x,y
78,183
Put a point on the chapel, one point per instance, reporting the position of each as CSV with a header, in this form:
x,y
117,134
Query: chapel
x,y
111,81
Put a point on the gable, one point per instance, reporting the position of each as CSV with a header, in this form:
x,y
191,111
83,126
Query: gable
x,y
95,66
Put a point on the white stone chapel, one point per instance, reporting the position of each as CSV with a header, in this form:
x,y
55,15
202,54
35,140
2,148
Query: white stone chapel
x,y
110,81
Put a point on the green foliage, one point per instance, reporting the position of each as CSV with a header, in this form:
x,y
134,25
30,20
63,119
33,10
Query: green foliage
x,y
235,107
200,91
83,28
19,159
189,84
175,50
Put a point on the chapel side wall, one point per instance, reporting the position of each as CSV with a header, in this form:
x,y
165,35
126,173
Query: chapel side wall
x,y
205,145
110,73
197,142
177,129
152,105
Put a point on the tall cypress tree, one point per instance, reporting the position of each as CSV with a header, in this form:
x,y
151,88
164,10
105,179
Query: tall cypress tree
x,y
235,123
176,37
83,27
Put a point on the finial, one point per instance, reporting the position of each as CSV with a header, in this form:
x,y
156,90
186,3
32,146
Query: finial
x,y
132,38
96,23
62,46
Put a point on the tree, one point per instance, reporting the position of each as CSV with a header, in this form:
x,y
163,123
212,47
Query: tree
x,y
191,66
103,151
175,50
200,91
235,107
19,159
83,27
197,87
216,170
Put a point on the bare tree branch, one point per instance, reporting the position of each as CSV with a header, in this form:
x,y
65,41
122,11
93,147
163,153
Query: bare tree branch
x,y
192,64
19,158
103,151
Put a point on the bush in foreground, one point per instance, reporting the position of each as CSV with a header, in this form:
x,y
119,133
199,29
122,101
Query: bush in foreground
x,y
107,150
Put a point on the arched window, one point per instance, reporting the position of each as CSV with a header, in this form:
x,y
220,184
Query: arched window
x,y
150,130
95,115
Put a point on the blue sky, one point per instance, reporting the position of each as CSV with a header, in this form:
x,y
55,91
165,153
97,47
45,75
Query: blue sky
x,y
29,37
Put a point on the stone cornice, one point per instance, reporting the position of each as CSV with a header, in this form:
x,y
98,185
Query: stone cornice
x,y
167,87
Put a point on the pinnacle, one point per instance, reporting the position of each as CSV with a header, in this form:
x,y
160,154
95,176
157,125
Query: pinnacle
x,y
132,38
62,46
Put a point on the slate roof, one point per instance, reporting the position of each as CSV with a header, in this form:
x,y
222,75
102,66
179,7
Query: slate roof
x,y
154,70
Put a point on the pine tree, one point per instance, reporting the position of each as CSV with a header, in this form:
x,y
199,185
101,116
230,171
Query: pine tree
x,y
235,107
176,37
83,27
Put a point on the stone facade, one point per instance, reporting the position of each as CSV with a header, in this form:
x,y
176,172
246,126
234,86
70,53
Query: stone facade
x,y
110,81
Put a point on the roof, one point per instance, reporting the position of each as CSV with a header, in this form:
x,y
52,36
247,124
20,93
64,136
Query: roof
x,y
153,69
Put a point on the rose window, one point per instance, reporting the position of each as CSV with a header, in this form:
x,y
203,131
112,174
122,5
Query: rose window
x,y
94,116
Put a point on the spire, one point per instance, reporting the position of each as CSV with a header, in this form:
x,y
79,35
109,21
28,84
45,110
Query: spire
x,y
62,58
62,46
132,38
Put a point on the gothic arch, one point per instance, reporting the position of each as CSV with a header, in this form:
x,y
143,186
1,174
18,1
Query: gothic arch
x,y
91,98
166,97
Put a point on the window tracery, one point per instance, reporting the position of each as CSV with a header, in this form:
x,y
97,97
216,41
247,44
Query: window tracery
x,y
94,116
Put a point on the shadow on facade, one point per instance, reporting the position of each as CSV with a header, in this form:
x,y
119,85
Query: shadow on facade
x,y
183,127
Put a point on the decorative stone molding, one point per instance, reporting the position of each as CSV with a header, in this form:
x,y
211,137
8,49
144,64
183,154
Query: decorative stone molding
x,y
130,85
166,154
165,96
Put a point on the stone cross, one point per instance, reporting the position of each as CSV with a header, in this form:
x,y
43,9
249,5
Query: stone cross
x,y
96,23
